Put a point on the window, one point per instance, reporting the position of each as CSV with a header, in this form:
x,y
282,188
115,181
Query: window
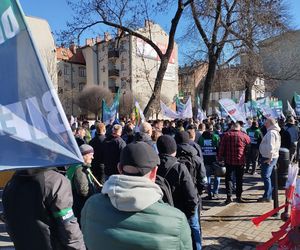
x,y
103,69
66,70
123,67
82,72
81,86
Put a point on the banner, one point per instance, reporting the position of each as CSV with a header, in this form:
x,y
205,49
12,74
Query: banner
x,y
139,115
268,112
232,110
186,113
34,131
277,107
242,100
290,109
179,105
297,103
110,114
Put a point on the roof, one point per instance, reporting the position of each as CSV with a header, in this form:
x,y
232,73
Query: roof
x,y
65,54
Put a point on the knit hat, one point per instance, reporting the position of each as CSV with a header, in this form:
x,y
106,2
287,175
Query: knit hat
x,y
166,145
182,137
141,156
86,149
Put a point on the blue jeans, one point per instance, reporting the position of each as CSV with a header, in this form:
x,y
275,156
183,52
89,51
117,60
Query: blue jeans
x,y
196,230
266,173
216,185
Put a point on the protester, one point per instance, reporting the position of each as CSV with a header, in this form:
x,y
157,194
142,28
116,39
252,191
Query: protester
x,y
129,214
38,211
128,133
86,126
199,132
209,142
187,155
293,130
185,196
192,136
80,136
98,145
232,150
113,145
269,150
253,149
81,180
145,135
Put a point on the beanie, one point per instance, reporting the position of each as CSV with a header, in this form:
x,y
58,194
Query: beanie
x,y
86,149
182,137
166,145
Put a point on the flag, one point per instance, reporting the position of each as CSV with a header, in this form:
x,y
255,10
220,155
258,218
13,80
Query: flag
x,y
218,112
179,105
110,114
187,112
242,100
166,111
297,103
290,109
34,130
232,110
139,115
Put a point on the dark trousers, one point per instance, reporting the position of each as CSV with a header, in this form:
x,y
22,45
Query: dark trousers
x,y
239,172
252,158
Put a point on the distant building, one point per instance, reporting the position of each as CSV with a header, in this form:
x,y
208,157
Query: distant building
x,y
228,83
43,38
131,64
71,77
281,61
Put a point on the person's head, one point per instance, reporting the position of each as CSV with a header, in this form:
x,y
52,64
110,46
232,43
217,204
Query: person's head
x,y
218,127
87,153
128,129
139,159
201,127
249,121
155,135
290,120
101,129
270,122
166,145
81,132
236,126
117,130
210,127
192,133
86,124
73,128
255,124
182,137
146,128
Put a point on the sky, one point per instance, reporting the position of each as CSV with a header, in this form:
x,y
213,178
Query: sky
x,y
57,13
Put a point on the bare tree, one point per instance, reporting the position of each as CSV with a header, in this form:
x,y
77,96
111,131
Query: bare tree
x,y
127,16
91,97
233,27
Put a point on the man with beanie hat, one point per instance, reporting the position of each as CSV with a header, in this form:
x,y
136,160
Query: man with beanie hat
x,y
184,193
129,214
81,180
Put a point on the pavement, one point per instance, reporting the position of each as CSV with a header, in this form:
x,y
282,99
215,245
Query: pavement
x,y
223,227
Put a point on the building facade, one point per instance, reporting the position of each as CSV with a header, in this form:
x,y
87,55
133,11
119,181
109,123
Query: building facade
x,y
130,64
281,61
71,78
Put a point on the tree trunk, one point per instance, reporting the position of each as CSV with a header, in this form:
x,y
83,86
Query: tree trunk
x,y
248,94
210,76
155,97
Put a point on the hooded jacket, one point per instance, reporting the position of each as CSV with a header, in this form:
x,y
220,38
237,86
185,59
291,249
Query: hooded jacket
x,y
270,144
183,190
129,215
38,211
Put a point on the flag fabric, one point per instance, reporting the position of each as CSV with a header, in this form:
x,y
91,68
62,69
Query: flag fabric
x,y
218,112
277,107
167,112
290,109
232,110
201,115
110,114
139,115
187,112
297,103
242,100
179,105
34,130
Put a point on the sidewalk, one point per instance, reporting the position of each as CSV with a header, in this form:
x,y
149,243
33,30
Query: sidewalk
x,y
230,227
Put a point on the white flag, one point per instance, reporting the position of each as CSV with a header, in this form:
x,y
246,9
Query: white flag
x,y
290,109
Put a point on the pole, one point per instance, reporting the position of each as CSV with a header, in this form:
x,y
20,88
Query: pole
x,y
275,190
94,178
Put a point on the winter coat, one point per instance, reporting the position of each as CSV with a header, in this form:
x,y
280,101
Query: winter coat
x,y
293,130
183,190
112,152
255,136
98,162
209,142
270,145
38,211
147,139
129,215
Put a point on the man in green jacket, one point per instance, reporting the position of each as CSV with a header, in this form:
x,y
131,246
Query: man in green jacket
x,y
129,214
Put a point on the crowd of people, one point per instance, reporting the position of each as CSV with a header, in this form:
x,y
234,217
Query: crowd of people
x,y
140,187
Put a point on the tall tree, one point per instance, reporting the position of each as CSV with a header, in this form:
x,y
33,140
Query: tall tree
x,y
127,16
232,28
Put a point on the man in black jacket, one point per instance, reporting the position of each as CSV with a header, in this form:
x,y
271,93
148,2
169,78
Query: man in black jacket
x,y
38,211
98,145
145,134
113,146
185,195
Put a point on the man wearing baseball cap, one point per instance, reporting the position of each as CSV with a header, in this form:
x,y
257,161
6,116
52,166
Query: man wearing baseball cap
x,y
129,214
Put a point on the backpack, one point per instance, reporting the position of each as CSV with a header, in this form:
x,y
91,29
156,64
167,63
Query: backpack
x,y
188,160
166,189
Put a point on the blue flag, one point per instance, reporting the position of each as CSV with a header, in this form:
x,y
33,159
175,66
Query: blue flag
x,y
34,131
110,114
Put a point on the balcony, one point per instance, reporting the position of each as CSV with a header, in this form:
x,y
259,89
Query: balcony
x,y
113,73
113,54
